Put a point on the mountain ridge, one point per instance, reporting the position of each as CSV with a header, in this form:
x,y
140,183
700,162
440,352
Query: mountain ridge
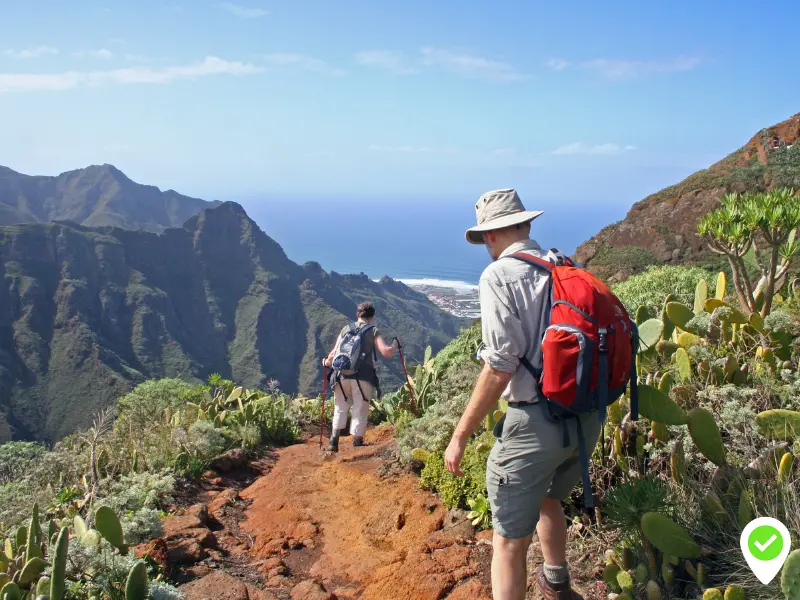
x,y
97,195
662,228
88,312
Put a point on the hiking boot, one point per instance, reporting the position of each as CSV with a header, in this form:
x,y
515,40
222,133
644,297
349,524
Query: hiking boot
x,y
358,441
333,445
344,432
555,591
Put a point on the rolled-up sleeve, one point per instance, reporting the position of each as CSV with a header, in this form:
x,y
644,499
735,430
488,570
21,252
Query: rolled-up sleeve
x,y
503,336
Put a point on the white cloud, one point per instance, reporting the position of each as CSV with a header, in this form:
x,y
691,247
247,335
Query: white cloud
x,y
35,52
68,80
301,61
460,63
243,12
470,65
102,53
401,149
387,60
619,70
601,149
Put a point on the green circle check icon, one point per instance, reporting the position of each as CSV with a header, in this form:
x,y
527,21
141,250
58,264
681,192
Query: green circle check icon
x,y
765,543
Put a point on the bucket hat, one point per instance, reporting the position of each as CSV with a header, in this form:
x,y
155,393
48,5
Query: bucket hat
x,y
498,209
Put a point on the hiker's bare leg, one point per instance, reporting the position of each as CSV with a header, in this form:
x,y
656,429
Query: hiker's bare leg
x,y
509,568
552,531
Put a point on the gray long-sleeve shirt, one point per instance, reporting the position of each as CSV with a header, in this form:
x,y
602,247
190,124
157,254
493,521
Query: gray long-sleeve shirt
x,y
515,306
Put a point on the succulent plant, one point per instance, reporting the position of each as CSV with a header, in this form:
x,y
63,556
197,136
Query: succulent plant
x,y
790,576
706,436
779,424
734,592
712,594
658,406
669,537
136,585
107,523
785,468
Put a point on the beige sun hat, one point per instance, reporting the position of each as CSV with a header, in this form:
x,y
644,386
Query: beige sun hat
x,y
498,209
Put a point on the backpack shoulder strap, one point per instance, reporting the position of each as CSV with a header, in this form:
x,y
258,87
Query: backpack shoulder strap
x,y
533,260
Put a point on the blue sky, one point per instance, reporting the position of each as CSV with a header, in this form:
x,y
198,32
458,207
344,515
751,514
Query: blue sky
x,y
570,102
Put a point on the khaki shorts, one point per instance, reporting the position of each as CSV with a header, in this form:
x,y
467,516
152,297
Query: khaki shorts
x,y
529,462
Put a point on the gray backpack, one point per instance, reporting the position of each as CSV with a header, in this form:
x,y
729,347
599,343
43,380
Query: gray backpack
x,y
349,355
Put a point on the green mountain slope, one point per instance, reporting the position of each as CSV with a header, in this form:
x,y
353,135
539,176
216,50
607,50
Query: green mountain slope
x,y
662,228
85,313
96,196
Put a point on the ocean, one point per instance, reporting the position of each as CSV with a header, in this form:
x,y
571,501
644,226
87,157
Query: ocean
x,y
413,241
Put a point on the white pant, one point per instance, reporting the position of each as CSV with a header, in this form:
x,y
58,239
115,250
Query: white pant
x,y
360,405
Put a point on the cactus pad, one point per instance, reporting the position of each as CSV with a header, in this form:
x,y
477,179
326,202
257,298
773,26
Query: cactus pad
x,y
679,313
734,592
625,581
652,591
658,406
642,314
779,424
712,594
10,591
677,463
650,334
669,537
136,585
59,572
641,573
745,513
684,364
32,569
107,523
785,468
722,286
790,576
610,573
705,433
700,296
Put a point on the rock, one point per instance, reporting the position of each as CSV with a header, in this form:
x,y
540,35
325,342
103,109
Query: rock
x,y
225,498
278,581
676,255
256,594
186,552
305,530
311,590
174,526
232,459
457,525
470,590
199,512
157,551
215,586
198,571
485,535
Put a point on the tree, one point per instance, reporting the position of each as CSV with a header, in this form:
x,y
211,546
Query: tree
x,y
765,223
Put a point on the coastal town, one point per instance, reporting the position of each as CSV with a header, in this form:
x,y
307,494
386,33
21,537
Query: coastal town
x,y
461,301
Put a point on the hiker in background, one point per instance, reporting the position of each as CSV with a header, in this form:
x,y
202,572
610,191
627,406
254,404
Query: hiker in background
x,y
355,387
529,470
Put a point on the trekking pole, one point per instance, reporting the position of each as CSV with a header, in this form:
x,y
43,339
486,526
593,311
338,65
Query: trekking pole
x,y
324,395
408,382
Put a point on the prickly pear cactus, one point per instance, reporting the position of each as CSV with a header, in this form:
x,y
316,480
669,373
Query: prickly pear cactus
x,y
652,591
700,296
684,364
679,313
610,573
706,436
779,424
107,523
658,406
625,582
790,576
712,594
785,468
59,572
641,573
11,591
734,592
745,513
669,537
136,586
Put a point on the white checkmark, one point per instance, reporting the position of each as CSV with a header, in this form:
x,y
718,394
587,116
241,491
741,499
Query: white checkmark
x,y
766,545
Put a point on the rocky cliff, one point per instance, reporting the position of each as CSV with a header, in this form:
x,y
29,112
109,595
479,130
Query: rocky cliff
x,y
662,228
85,313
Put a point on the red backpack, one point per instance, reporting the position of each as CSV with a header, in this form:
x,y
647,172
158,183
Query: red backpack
x,y
588,350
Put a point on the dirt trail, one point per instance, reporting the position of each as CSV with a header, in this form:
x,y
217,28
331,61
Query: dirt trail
x,y
294,525
338,522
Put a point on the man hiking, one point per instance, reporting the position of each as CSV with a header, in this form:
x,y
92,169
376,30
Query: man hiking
x,y
531,467
354,377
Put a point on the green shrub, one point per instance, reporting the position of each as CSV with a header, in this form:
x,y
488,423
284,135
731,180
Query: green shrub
x,y
434,429
205,440
456,491
17,457
626,258
652,287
